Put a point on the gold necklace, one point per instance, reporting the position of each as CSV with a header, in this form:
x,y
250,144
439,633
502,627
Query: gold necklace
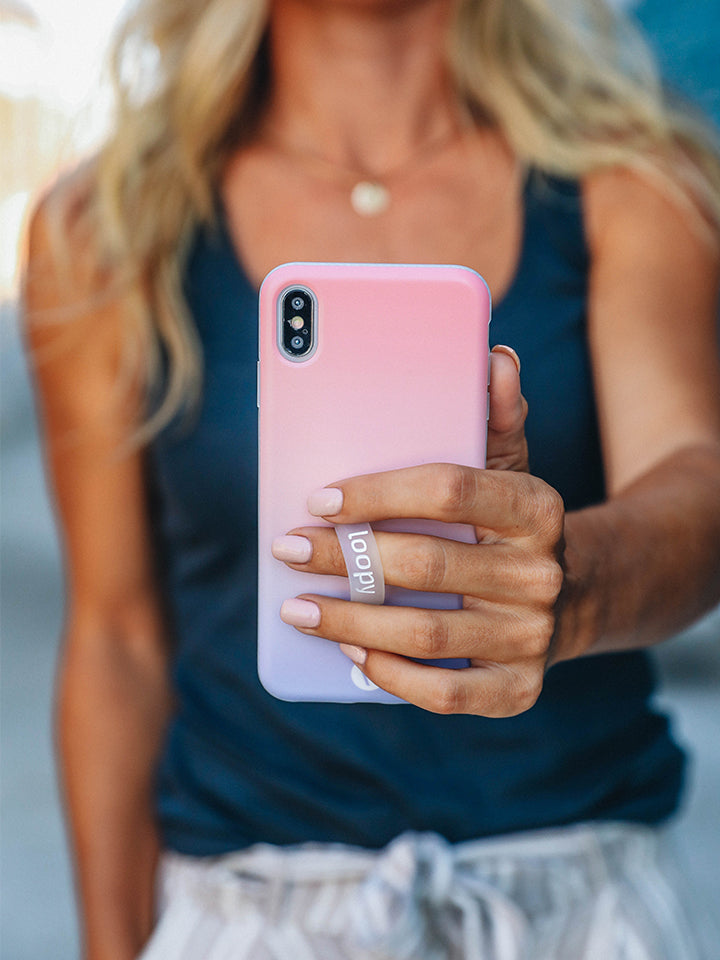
x,y
370,195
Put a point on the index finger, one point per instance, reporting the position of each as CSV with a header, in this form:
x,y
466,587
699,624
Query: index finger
x,y
511,504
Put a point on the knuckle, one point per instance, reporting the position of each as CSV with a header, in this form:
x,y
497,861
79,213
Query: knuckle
x,y
448,698
547,580
529,695
549,514
537,578
456,489
424,570
429,635
526,691
539,633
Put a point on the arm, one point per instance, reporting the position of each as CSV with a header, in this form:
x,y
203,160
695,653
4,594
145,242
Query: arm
x,y
113,697
541,586
646,563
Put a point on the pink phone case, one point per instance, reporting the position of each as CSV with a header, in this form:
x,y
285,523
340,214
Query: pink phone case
x,y
398,377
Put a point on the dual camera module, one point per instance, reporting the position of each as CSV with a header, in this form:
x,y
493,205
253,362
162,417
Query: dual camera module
x,y
297,329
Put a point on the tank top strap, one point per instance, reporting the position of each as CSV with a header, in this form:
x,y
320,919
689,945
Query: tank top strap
x,y
555,205
553,239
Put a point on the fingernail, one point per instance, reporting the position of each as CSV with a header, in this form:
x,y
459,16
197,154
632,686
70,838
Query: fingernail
x,y
358,655
292,549
502,348
326,502
300,613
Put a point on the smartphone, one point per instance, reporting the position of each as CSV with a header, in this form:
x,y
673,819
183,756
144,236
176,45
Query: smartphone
x,y
363,368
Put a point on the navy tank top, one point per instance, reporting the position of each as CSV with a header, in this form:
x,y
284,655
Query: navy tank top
x,y
239,766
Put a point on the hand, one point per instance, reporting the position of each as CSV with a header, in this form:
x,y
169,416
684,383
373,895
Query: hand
x,y
510,580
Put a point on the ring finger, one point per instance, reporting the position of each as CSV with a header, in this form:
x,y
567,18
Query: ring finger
x,y
485,632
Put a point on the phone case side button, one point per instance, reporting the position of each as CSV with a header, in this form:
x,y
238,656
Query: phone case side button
x,y
257,384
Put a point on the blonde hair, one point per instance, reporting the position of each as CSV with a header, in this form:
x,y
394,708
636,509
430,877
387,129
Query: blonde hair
x,y
569,82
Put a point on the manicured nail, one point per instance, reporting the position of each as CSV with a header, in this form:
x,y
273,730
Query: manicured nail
x,y
300,613
326,502
292,549
501,348
358,655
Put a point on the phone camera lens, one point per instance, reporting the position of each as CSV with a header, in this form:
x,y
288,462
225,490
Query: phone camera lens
x,y
296,323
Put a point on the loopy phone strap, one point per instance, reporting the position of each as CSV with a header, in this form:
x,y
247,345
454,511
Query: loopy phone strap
x,y
362,559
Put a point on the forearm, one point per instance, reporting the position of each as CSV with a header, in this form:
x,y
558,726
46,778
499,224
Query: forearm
x,y
112,710
645,563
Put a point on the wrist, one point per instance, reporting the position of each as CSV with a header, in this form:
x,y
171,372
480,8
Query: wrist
x,y
577,612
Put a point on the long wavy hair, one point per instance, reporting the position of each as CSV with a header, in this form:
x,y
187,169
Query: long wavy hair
x,y
570,83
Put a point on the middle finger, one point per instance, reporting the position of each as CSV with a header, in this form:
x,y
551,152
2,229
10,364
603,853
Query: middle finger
x,y
414,561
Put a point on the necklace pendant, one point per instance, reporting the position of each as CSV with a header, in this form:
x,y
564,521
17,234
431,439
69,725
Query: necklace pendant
x,y
369,198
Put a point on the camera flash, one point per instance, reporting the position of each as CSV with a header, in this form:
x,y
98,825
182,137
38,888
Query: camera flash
x,y
297,323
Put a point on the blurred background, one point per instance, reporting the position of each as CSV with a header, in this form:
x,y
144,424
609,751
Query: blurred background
x,y
54,107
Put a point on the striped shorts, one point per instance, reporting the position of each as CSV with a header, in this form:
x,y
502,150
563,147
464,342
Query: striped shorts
x,y
588,892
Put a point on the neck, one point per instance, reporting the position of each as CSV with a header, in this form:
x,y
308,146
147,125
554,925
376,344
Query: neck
x,y
362,82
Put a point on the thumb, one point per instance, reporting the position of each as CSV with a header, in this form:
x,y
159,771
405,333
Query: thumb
x,y
507,446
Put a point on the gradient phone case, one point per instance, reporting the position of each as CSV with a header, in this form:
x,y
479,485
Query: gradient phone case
x,y
398,377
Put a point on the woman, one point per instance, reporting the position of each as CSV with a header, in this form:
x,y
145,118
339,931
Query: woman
x,y
535,148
